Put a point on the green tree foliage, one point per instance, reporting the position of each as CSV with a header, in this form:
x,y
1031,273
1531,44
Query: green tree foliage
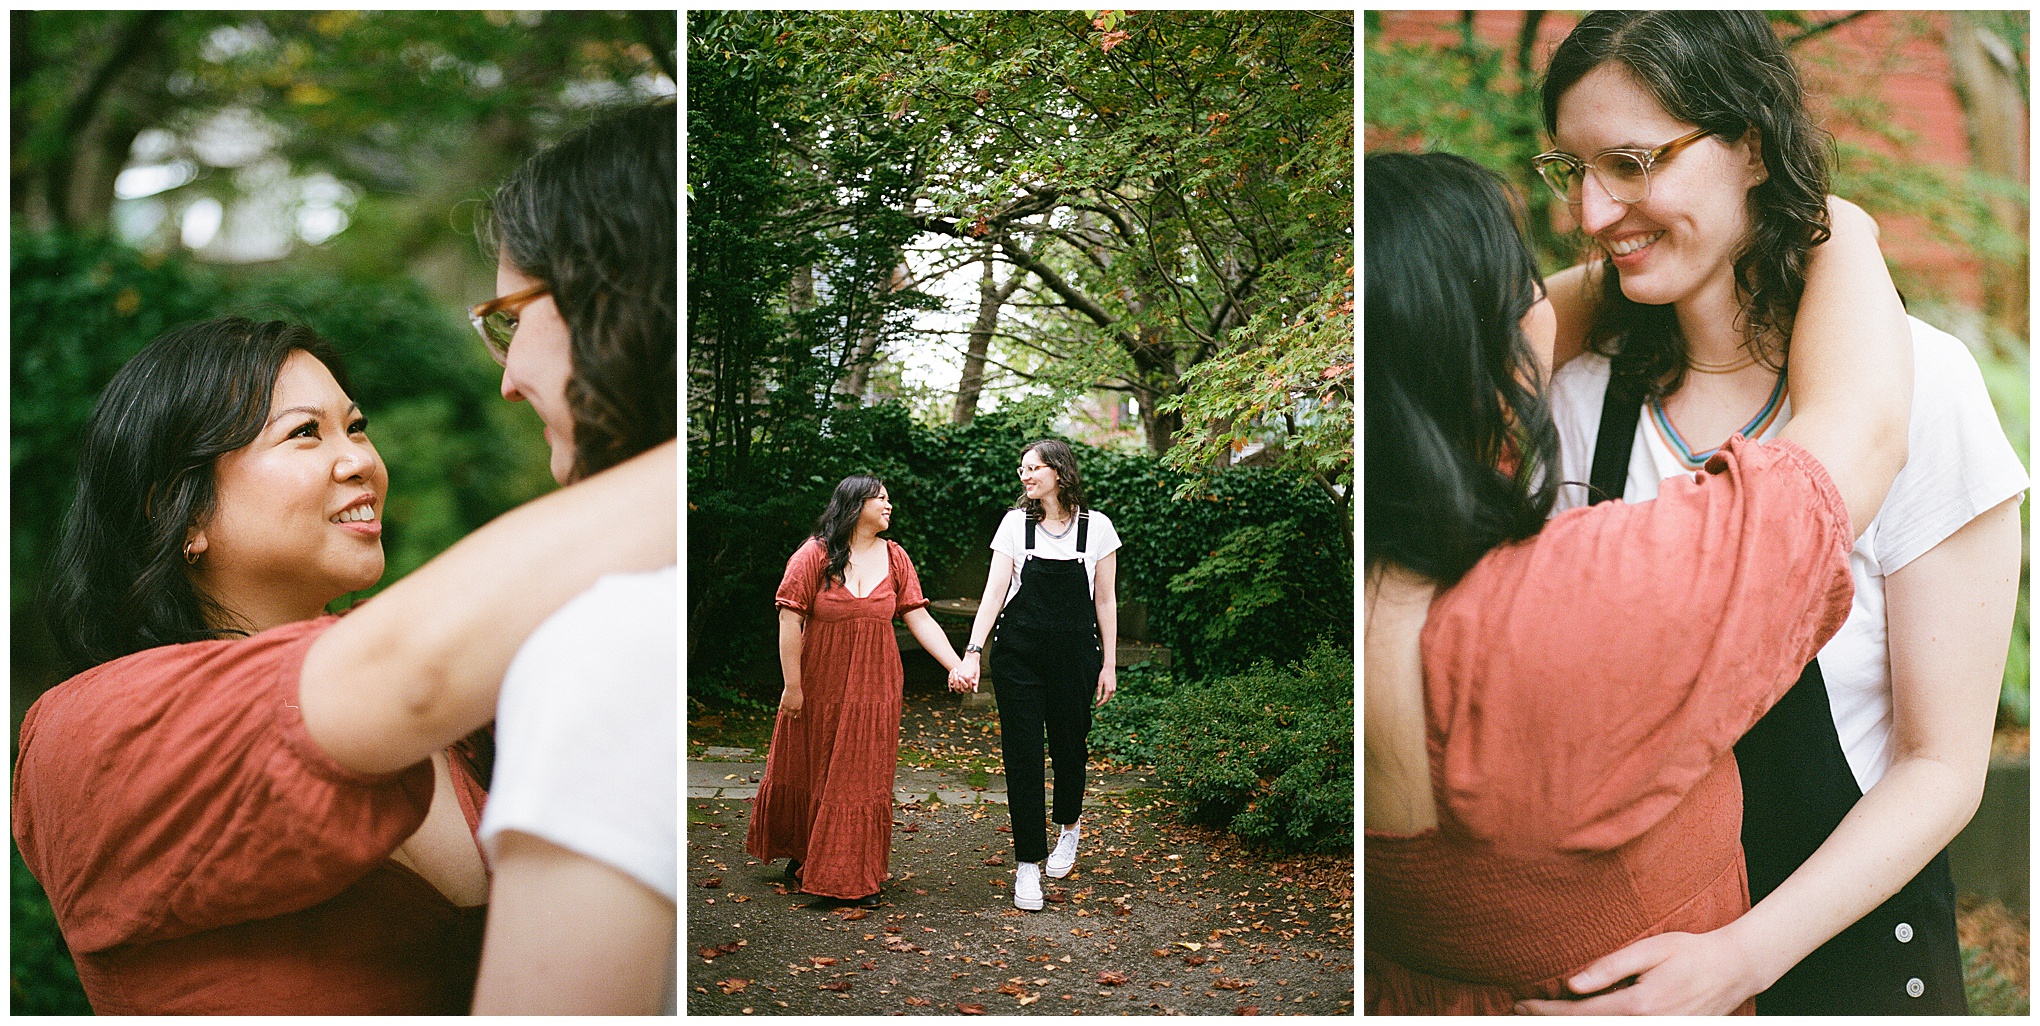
x,y
1160,180
416,110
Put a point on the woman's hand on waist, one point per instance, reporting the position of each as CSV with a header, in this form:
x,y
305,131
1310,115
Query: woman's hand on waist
x,y
1674,974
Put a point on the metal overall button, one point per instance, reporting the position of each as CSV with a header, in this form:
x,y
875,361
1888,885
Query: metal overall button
x,y
1914,988
1904,933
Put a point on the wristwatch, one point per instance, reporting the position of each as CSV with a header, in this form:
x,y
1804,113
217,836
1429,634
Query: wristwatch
x,y
971,649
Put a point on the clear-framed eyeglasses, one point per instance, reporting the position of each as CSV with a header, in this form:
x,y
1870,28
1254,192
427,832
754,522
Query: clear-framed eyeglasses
x,y
496,320
1623,173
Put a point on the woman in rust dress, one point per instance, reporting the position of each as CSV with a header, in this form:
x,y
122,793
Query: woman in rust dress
x,y
825,804
1551,708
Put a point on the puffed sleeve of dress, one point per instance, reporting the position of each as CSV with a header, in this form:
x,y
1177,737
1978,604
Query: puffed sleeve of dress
x,y
176,790
1580,682
907,591
803,579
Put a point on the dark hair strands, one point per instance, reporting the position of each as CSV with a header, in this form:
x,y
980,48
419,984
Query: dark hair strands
x,y
594,217
1461,446
1727,72
838,521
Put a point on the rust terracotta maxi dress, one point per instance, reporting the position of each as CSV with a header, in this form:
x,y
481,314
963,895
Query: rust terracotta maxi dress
x,y
827,795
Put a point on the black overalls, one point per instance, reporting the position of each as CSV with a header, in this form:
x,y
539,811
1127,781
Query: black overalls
x,y
1045,658
1900,959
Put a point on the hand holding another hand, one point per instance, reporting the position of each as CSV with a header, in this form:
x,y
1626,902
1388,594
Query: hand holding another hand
x,y
964,677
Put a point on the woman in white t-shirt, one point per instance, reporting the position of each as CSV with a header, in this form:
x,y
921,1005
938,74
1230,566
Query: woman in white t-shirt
x,y
1683,147
1051,615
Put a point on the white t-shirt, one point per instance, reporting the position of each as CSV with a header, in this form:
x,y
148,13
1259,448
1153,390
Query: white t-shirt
x,y
587,744
1958,465
1011,540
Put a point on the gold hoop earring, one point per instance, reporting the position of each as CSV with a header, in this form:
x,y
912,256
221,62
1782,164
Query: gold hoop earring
x,y
190,557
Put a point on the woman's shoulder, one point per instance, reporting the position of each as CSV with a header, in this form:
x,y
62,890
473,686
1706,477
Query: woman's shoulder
x,y
1098,516
810,550
170,684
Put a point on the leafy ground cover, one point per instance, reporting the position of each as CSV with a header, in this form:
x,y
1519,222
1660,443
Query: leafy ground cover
x,y
1156,919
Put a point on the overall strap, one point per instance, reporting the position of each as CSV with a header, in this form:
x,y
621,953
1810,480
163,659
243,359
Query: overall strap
x,y
1030,530
1083,529
1621,408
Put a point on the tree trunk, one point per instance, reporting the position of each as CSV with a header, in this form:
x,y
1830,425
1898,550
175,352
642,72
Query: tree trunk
x,y
1994,113
865,354
991,298
124,94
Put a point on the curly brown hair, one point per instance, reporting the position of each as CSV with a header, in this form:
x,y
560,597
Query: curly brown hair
x,y
1724,71
593,217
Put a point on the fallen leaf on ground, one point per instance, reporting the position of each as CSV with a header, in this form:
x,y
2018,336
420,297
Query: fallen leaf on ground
x,y
1028,999
855,914
1247,1010
1112,978
919,1002
733,986
970,1009
838,986
1228,983
1192,945
1012,988
713,881
823,961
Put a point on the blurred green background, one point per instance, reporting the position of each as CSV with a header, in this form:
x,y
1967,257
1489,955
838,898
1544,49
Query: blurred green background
x,y
323,167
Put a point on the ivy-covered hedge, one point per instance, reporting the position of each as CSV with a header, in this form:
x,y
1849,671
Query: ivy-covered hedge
x,y
1253,566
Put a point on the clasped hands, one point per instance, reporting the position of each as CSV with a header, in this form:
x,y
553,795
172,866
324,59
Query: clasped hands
x,y
964,676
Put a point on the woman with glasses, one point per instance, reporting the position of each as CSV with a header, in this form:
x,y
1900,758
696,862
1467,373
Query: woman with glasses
x,y
1550,706
1050,614
1685,152
582,824
239,804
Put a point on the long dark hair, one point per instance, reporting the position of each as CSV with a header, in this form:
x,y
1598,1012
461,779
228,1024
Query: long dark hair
x,y
1057,455
593,218
839,520
1724,71
117,582
1461,447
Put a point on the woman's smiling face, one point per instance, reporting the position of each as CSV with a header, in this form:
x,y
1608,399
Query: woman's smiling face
x,y
876,512
297,520
1680,241
1037,479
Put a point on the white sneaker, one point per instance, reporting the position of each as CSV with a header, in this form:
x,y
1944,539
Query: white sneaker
x,y
1064,857
1027,887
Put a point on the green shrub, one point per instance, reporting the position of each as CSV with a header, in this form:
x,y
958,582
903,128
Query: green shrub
x,y
43,979
1267,754
1125,729
1261,594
